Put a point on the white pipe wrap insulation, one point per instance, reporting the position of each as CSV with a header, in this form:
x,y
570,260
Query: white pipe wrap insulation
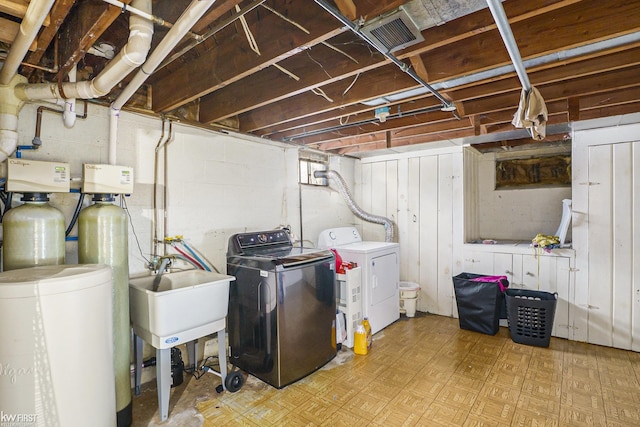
x,y
69,112
10,106
35,15
188,19
346,194
130,57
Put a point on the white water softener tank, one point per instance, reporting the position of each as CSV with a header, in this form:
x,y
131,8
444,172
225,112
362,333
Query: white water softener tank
x,y
33,234
102,239
56,363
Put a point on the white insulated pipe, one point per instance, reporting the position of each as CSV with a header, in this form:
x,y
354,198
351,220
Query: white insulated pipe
x,y
187,20
131,56
499,15
10,106
16,90
69,112
132,10
35,15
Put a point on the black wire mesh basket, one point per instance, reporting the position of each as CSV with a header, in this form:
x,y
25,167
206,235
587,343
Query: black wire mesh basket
x,y
530,316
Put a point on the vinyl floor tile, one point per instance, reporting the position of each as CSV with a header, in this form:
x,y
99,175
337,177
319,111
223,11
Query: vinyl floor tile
x,y
425,371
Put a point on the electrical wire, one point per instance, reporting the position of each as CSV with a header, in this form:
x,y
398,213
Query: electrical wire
x,y
76,212
7,205
133,229
198,373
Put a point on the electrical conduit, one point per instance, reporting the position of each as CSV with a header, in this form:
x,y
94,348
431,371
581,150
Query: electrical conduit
x,y
346,194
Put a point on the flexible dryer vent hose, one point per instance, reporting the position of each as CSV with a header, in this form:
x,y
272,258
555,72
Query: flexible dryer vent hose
x,y
346,194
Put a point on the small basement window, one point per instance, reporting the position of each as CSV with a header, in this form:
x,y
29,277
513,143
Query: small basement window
x,y
309,163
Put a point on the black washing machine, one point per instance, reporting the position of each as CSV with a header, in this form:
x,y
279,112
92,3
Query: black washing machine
x,y
282,307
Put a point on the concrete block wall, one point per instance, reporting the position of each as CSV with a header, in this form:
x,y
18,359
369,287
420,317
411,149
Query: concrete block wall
x,y
218,183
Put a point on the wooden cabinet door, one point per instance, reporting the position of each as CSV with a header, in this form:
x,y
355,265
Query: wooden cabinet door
x,y
606,216
503,265
479,263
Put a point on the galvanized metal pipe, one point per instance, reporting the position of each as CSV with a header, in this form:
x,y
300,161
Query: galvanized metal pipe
x,y
497,11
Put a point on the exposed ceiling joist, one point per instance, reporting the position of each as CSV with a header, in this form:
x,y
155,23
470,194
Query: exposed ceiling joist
x,y
316,84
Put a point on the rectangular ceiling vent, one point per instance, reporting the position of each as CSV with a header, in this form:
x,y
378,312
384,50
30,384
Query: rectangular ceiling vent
x,y
393,32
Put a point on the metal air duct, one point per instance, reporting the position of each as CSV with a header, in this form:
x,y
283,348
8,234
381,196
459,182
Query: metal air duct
x,y
357,210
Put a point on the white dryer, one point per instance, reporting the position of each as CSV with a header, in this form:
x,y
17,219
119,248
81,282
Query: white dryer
x,y
380,263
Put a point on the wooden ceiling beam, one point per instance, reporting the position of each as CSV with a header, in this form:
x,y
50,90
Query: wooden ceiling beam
x,y
607,111
8,30
234,60
417,60
504,105
15,8
610,98
87,25
578,24
503,123
419,132
272,85
220,8
560,72
347,114
58,14
378,82
581,86
396,126
347,8
419,67
480,22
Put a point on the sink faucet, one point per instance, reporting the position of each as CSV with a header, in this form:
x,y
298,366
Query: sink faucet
x,y
164,263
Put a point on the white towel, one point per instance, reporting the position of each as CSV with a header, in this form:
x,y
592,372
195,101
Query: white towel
x,y
532,114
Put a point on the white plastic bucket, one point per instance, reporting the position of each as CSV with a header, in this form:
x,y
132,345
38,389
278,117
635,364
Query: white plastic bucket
x,y
409,298
408,306
409,290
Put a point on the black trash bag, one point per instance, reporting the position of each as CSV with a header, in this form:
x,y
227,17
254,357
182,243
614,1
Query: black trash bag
x,y
480,303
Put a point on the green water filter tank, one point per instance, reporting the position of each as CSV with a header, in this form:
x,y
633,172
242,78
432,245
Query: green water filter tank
x,y
33,234
102,239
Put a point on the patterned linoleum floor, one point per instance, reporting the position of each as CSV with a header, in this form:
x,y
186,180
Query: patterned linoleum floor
x,y
425,371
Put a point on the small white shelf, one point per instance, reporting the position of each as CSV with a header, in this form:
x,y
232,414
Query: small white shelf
x,y
350,300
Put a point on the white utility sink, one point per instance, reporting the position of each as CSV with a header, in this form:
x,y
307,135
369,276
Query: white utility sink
x,y
183,305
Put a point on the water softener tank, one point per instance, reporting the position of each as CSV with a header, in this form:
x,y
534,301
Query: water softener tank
x,y
56,364
33,234
102,238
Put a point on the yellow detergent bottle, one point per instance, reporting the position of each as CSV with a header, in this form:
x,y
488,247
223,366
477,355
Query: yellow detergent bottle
x,y
367,328
360,340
